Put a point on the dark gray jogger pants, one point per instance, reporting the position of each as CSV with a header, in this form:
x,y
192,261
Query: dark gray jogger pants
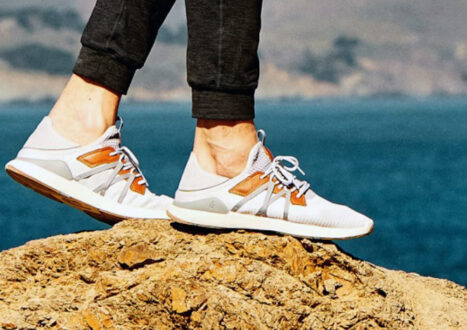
x,y
222,58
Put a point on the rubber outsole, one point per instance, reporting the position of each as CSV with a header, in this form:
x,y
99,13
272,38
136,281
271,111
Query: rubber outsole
x,y
75,195
221,221
55,195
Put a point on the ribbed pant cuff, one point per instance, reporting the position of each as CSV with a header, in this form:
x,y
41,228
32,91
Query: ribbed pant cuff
x,y
223,106
104,70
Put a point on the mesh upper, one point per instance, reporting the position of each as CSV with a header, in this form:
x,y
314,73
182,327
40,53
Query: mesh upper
x,y
260,162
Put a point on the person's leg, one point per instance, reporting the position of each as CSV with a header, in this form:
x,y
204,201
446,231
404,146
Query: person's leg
x,y
223,71
75,154
116,42
222,146
84,110
231,179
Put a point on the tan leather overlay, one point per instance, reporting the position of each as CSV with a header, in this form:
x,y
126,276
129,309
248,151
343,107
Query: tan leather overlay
x,y
98,157
297,201
102,156
254,181
249,185
123,172
138,188
49,192
277,189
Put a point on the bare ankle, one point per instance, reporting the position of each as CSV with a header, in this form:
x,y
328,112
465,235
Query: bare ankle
x,y
84,110
223,146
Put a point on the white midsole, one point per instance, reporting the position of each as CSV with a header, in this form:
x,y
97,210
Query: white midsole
x,y
83,194
236,220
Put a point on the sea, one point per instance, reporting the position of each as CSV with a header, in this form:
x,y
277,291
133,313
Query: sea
x,y
401,161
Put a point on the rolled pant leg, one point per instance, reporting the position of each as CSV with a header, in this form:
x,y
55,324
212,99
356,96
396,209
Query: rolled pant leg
x,y
222,57
118,39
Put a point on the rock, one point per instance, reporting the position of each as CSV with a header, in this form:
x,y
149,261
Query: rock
x,y
97,320
178,300
138,256
8,326
154,274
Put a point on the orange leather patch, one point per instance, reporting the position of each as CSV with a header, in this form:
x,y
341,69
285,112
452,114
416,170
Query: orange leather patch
x,y
138,188
254,181
122,172
98,157
249,185
297,201
277,189
102,156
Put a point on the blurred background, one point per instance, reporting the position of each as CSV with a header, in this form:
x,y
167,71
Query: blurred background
x,y
370,95
308,49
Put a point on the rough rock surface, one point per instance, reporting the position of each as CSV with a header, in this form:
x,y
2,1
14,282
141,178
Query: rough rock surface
x,y
153,274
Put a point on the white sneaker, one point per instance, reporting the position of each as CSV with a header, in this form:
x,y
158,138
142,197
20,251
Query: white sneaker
x,y
102,179
265,196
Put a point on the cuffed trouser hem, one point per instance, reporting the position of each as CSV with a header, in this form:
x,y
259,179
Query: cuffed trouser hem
x,y
222,105
104,70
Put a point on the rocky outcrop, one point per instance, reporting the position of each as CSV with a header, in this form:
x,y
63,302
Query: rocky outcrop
x,y
153,274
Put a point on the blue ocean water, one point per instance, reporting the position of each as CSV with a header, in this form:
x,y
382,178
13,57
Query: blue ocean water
x,y
403,162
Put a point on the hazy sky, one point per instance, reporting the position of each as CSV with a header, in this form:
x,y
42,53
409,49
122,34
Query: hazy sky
x,y
408,46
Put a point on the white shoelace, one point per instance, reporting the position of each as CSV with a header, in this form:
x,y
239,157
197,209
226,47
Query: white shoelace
x,y
130,162
284,176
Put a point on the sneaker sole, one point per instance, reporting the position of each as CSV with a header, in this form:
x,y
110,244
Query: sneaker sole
x,y
235,220
74,194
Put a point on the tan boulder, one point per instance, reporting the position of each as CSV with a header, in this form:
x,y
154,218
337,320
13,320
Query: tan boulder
x,y
152,274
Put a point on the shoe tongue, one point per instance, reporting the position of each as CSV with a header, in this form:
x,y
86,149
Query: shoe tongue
x,y
259,159
111,137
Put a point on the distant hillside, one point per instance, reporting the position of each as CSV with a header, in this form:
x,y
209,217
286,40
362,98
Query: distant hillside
x,y
308,49
32,18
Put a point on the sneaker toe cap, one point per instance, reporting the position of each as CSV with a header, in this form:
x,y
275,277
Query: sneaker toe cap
x,y
324,213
